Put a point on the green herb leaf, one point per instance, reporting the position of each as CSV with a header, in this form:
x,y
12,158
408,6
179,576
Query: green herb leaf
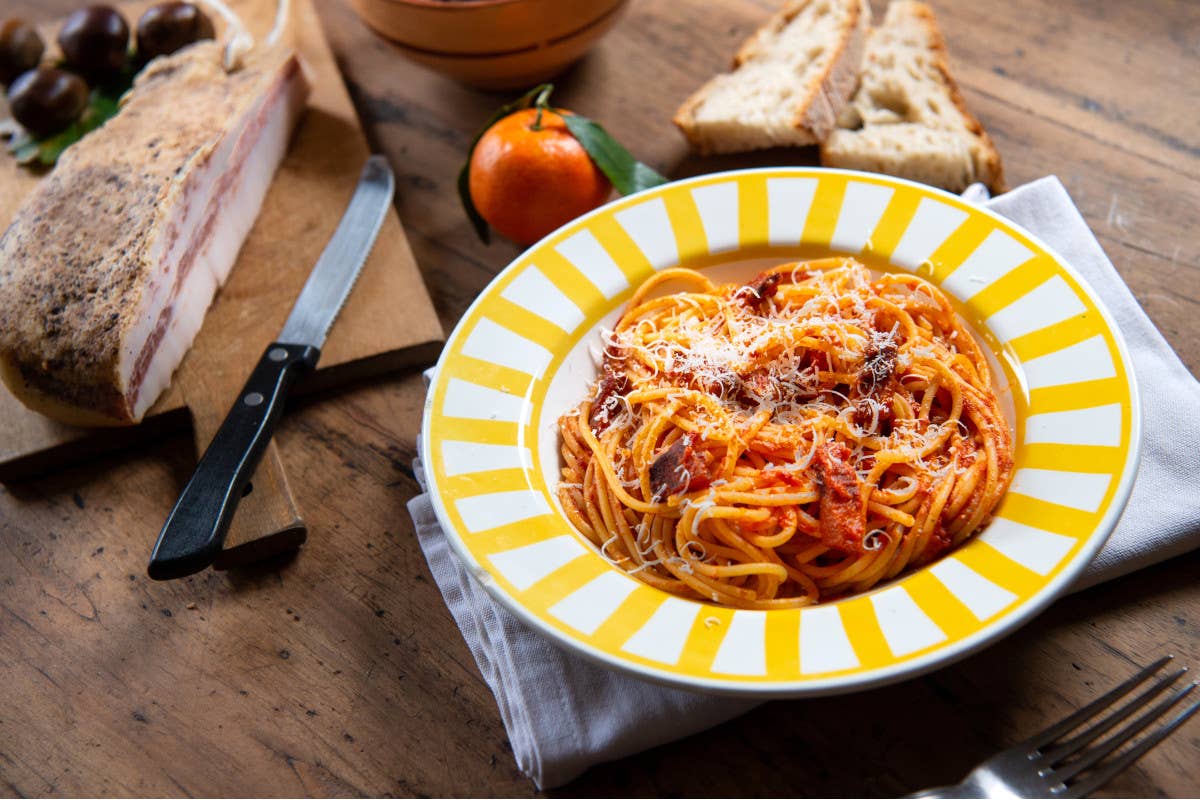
x,y
628,175
102,106
24,148
464,194
540,92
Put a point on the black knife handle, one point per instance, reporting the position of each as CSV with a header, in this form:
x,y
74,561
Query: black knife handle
x,y
195,531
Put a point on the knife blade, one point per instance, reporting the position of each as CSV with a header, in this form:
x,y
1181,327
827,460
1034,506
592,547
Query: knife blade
x,y
195,530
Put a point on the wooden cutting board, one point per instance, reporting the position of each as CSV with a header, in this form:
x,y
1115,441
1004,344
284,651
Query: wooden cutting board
x,y
387,323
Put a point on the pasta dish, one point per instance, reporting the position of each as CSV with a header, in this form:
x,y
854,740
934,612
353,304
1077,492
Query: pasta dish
x,y
792,440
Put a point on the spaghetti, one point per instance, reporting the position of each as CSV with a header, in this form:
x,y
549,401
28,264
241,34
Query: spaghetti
x,y
787,441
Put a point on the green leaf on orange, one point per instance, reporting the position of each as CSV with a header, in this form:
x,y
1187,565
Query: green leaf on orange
x,y
627,174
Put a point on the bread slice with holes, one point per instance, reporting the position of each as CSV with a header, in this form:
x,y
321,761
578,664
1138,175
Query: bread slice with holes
x,y
789,81
908,117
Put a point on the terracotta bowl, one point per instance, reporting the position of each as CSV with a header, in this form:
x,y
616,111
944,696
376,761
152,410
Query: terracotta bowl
x,y
492,44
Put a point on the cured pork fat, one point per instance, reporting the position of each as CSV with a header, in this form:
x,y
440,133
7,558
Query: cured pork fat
x,y
109,266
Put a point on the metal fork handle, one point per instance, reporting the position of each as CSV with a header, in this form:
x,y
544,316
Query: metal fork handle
x,y
970,787
1036,767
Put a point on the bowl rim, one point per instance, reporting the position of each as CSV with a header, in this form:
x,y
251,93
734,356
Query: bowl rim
x,y
459,6
468,56
989,632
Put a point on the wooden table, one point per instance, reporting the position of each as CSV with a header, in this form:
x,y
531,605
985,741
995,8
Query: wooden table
x,y
339,671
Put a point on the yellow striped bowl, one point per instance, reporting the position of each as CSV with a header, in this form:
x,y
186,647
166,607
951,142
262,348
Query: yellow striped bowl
x,y
518,359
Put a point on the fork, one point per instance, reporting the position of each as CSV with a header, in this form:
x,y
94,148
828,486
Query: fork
x,y
1050,765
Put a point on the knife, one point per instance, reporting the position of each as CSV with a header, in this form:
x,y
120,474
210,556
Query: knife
x,y
195,530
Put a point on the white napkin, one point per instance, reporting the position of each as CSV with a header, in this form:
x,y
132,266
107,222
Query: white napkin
x,y
564,714
1162,518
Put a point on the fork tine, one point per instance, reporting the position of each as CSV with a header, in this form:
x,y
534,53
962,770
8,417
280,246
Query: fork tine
x,y
1093,755
1077,742
1039,740
1102,776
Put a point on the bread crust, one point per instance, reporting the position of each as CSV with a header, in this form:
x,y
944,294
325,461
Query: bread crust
x,y
823,97
685,119
992,172
835,88
985,161
752,46
990,168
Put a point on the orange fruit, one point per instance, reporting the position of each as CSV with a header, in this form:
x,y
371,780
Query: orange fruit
x,y
528,182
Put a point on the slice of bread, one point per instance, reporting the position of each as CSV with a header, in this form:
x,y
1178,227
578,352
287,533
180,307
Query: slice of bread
x,y
790,80
908,117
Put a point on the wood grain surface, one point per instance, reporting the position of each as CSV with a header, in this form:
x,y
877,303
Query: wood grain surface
x,y
340,672
301,210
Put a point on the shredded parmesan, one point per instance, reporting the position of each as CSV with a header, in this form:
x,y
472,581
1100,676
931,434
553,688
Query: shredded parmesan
x,y
760,441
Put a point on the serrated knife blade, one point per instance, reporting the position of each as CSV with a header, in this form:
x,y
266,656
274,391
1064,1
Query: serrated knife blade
x,y
340,263
195,531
